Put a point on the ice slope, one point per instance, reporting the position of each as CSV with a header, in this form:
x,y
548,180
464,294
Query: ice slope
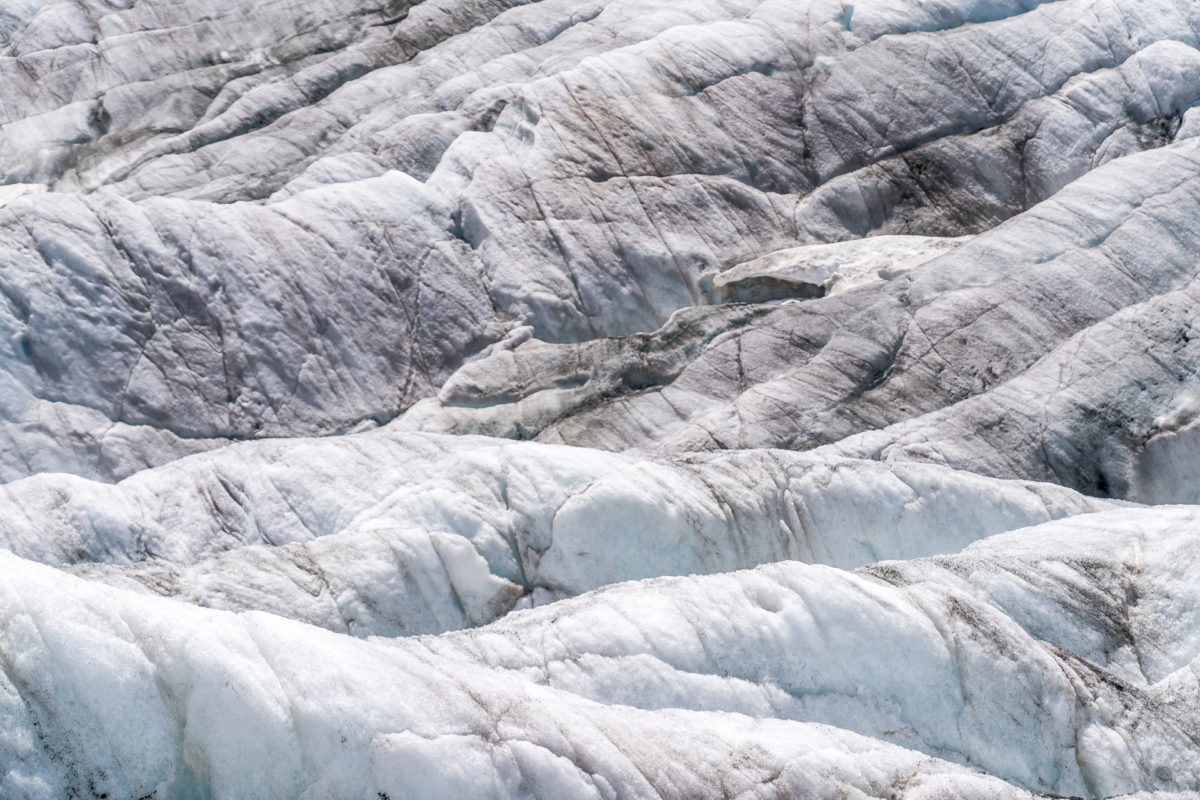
x,y
1043,348
854,342
689,687
423,178
316,529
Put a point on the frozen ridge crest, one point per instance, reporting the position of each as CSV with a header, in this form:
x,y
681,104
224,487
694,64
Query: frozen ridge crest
x,y
604,399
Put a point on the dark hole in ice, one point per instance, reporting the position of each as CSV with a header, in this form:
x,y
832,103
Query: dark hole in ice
x,y
764,289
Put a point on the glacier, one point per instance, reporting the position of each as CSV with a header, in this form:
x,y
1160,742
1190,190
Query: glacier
x,y
599,399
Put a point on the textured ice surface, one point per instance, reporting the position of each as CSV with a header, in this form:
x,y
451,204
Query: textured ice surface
x,y
603,399
820,269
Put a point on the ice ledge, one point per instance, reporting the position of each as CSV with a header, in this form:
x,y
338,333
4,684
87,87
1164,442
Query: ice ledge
x,y
817,270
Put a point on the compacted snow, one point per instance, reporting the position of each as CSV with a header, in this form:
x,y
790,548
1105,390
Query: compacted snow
x,y
599,399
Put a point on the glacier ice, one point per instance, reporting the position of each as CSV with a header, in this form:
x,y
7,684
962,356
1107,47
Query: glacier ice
x,y
601,398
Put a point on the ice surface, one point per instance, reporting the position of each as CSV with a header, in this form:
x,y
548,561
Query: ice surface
x,y
602,399
821,269
318,530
